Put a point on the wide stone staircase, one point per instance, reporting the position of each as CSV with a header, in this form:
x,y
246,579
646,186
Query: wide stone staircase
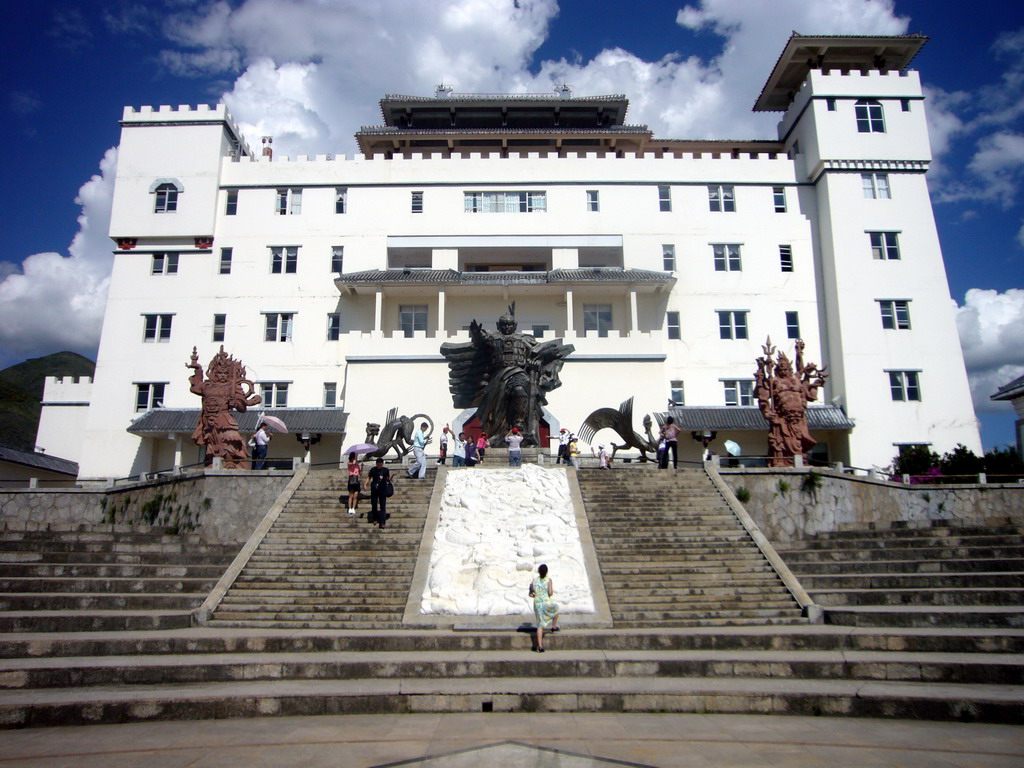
x,y
932,575
672,552
70,578
319,567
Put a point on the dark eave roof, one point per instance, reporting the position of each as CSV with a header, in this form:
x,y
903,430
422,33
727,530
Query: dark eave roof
x,y
184,420
733,418
803,53
452,277
1010,391
390,130
510,110
38,461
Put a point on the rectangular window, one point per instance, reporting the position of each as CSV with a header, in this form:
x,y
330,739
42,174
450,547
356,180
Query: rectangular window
x,y
869,116
341,199
676,393
830,105
540,330
219,324
597,318
225,261
593,201
905,105
738,392
166,199
231,206
284,260
278,326
895,314
333,326
505,202
274,393
157,328
727,258
668,258
732,324
337,258
721,198
149,395
417,202
884,245
904,385
165,263
664,198
412,318
876,185
330,394
793,325
289,202
672,323
779,199
786,258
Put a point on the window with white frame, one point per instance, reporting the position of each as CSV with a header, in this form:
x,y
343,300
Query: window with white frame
x,y
149,395
412,318
505,202
672,325
165,264
876,186
333,326
278,326
786,258
157,328
676,393
417,202
166,198
225,261
338,259
727,257
830,105
593,200
285,260
664,198
597,318
341,199
288,202
231,203
330,394
793,325
732,324
220,323
721,198
779,199
884,245
738,392
869,116
904,385
668,258
895,314
274,393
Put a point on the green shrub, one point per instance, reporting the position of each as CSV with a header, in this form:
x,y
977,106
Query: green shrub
x,y
743,495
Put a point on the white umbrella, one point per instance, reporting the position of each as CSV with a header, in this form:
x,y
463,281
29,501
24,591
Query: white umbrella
x,y
732,448
273,421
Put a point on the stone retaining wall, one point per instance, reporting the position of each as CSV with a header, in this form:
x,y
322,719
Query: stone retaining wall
x,y
223,507
787,506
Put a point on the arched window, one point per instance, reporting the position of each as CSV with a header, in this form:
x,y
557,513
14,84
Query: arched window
x,y
869,116
166,191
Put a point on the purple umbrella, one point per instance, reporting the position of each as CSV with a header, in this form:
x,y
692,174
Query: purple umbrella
x,y
361,448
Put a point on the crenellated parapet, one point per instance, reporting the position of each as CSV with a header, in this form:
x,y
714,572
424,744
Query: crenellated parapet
x,y
67,390
185,114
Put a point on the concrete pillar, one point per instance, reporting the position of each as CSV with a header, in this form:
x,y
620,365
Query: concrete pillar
x,y
378,311
838,467
177,451
565,258
218,462
568,311
982,478
798,461
634,323
441,314
33,482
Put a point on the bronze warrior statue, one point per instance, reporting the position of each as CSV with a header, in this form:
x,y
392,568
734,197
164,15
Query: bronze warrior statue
x,y
225,388
782,395
506,376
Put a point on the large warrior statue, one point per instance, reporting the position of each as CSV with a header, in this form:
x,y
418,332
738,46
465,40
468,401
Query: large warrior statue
x,y
782,395
225,388
506,376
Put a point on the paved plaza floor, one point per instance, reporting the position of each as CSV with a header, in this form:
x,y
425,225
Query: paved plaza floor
x,y
519,741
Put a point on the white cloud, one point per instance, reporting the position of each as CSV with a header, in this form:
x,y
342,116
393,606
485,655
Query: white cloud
x,y
991,327
56,302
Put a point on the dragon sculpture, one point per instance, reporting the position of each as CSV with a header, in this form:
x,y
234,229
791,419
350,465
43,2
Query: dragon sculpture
x,y
621,421
397,433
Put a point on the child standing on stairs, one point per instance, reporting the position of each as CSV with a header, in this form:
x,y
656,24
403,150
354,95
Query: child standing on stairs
x,y
354,470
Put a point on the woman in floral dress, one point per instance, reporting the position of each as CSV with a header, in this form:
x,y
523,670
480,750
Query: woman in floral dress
x,y
544,608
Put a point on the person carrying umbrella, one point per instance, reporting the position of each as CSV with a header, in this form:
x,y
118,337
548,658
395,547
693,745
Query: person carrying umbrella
x,y
259,452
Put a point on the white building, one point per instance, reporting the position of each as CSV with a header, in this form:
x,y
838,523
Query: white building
x,y
665,262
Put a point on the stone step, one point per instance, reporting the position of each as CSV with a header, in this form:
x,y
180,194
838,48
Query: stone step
x,y
909,566
109,571
101,601
798,557
999,617
977,596
937,528
113,558
841,581
106,585
115,546
912,542
336,617
283,595
92,620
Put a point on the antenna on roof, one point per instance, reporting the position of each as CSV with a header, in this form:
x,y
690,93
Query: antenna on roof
x,y
443,91
563,90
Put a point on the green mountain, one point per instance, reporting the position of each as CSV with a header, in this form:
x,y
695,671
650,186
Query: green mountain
x,y
21,389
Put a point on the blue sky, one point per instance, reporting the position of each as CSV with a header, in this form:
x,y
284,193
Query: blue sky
x,y
691,69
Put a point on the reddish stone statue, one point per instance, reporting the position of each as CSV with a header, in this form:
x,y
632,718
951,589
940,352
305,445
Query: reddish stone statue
x,y
782,395
224,389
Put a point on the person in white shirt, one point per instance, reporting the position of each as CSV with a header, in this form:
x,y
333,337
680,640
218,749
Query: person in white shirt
x,y
459,451
259,453
443,445
563,446
515,452
419,447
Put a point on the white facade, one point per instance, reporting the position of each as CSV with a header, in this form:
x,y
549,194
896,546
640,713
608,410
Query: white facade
x,y
408,212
